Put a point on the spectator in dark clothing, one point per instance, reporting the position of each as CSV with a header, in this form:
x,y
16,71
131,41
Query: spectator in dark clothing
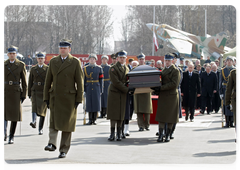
x,y
28,62
216,103
209,87
208,60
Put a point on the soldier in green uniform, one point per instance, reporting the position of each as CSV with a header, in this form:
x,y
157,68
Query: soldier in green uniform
x,y
14,94
63,91
35,91
230,94
168,99
114,59
143,104
117,95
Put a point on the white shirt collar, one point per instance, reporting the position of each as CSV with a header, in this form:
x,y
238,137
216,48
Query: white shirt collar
x,y
64,58
12,61
40,66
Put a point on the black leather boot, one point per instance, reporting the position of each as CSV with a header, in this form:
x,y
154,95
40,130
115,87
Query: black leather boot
x,y
171,133
5,130
112,135
167,137
90,118
119,133
12,132
101,113
94,118
40,126
160,135
123,135
227,122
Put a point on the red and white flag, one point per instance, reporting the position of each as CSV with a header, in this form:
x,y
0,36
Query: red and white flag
x,y
155,41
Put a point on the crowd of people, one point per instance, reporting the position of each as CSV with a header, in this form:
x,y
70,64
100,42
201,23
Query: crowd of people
x,y
64,84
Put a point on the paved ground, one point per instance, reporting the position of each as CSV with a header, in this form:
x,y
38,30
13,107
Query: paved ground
x,y
203,141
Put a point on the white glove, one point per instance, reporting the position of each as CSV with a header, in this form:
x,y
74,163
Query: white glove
x,y
221,96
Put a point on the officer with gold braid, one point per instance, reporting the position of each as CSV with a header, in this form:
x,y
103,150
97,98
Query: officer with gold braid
x,y
93,87
223,80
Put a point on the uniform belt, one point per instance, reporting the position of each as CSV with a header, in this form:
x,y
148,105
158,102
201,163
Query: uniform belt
x,y
38,83
106,79
11,82
224,84
92,81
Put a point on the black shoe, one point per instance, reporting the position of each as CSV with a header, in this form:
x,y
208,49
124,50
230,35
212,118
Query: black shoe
x,y
33,124
201,111
191,120
5,137
157,134
119,134
147,128
62,155
112,135
50,147
231,124
11,141
141,129
94,123
186,118
40,132
160,137
226,125
89,122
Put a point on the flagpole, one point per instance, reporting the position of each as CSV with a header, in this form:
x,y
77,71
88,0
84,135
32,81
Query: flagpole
x,y
153,30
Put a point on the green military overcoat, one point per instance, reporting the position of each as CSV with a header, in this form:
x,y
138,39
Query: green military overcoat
x,y
117,92
168,108
13,93
63,87
230,94
35,89
143,103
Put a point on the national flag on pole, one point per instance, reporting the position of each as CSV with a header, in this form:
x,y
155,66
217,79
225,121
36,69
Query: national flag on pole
x,y
155,41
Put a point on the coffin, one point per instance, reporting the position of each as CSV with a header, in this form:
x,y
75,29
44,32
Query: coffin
x,y
143,77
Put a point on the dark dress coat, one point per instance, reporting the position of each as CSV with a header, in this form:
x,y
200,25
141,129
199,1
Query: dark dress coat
x,y
168,102
35,89
117,92
93,87
63,88
106,83
223,80
13,93
190,87
208,84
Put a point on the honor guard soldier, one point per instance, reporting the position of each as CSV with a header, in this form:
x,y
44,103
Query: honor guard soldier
x,y
106,83
143,103
35,91
63,91
168,108
93,87
117,94
14,94
230,95
223,79
114,59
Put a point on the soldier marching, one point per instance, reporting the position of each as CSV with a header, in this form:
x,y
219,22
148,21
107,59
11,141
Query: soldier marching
x,y
35,91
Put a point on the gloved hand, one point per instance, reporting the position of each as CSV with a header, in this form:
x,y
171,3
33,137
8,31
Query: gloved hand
x,y
156,90
221,96
47,102
22,99
228,107
131,90
76,104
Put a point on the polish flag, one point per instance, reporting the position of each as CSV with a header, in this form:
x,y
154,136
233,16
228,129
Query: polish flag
x,y
155,41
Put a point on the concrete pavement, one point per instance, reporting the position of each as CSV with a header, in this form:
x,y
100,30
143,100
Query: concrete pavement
x,y
203,141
